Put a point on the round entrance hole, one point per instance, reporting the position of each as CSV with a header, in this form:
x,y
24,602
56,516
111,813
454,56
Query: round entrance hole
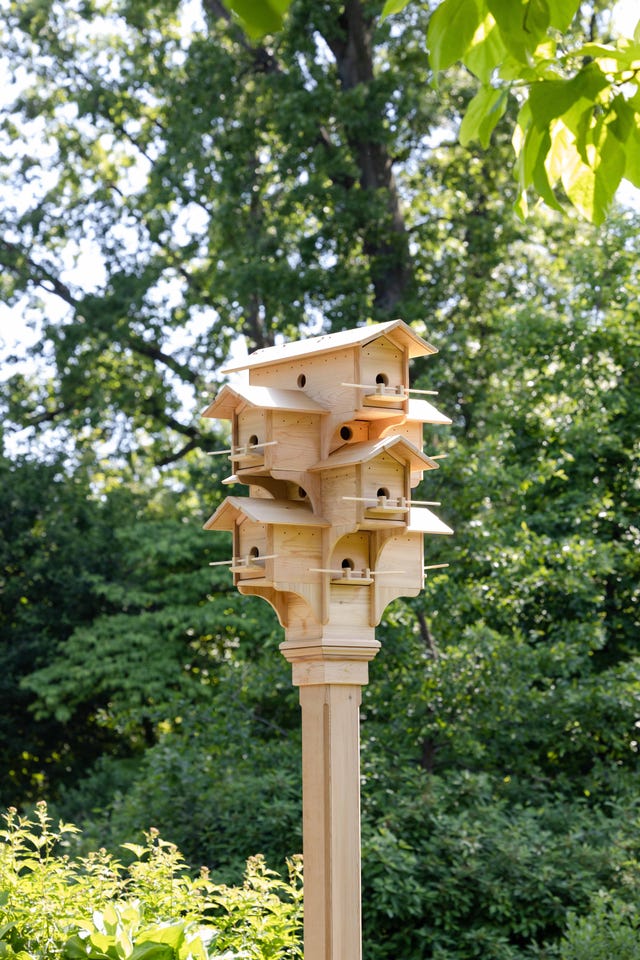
x,y
382,492
346,432
383,379
302,381
347,564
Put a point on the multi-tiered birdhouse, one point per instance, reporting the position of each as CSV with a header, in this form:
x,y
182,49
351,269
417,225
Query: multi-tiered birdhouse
x,y
329,441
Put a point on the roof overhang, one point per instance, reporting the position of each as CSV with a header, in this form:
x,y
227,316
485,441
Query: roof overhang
x,y
421,411
395,330
234,510
233,399
396,446
422,520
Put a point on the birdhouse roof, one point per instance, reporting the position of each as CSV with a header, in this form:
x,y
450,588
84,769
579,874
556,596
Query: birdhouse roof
x,y
234,398
262,510
421,411
396,330
397,446
422,520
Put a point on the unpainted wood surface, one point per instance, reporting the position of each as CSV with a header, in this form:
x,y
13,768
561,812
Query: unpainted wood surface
x,y
394,330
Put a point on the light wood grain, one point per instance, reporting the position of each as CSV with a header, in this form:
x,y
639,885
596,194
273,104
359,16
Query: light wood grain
x,y
329,444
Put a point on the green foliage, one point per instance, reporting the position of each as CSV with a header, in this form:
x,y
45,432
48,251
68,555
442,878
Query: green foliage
x,y
610,930
52,905
223,780
579,128
457,869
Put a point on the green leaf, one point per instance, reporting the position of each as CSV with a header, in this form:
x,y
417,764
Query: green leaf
x,y
259,17
482,115
135,848
531,145
622,118
391,7
549,99
589,174
77,948
625,55
522,24
152,951
632,163
562,12
487,51
451,31
171,934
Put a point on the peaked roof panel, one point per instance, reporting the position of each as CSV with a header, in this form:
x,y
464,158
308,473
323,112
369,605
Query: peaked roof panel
x,y
422,520
398,446
263,511
269,398
313,346
422,411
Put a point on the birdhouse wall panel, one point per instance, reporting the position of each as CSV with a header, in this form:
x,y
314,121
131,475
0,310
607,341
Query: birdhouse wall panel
x,y
250,430
399,553
348,431
298,441
382,358
336,485
383,474
351,550
310,593
297,550
264,492
399,561
252,540
251,423
411,429
319,377
350,606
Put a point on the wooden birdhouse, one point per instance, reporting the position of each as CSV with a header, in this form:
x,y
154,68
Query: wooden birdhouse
x,y
275,434
328,441
367,485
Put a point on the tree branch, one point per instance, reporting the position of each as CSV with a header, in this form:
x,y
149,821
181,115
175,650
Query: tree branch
x,y
426,634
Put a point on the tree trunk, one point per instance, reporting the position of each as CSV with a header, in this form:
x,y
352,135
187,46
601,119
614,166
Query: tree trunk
x,y
385,237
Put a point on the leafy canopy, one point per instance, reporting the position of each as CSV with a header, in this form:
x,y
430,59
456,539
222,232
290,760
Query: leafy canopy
x,y
577,133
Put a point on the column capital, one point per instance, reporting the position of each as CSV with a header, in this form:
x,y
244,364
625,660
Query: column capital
x,y
333,660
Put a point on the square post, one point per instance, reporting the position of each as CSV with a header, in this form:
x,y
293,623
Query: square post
x,y
330,675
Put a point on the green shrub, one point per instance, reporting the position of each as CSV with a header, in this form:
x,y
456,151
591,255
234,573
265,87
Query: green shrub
x,y
610,932
95,907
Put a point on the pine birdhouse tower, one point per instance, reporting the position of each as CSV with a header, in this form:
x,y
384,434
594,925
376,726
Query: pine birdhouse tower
x,y
329,442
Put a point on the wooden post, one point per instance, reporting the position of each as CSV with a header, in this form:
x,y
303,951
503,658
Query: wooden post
x,y
330,674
